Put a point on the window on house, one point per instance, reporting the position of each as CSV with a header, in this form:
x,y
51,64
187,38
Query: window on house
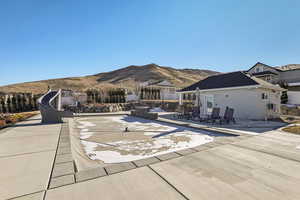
x,y
268,78
272,107
264,96
194,96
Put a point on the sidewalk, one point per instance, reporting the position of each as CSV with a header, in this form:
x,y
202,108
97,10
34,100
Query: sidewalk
x,y
27,153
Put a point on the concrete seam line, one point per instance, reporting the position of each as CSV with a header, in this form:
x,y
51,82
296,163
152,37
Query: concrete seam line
x,y
24,195
44,196
62,185
172,186
261,151
179,153
14,155
158,158
134,164
61,129
105,171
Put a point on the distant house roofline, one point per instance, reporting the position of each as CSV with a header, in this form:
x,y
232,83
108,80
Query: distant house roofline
x,y
265,65
232,80
157,83
225,88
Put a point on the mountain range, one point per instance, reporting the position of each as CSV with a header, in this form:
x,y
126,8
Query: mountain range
x,y
127,77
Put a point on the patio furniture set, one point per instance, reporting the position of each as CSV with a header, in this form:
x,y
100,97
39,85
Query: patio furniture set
x,y
214,117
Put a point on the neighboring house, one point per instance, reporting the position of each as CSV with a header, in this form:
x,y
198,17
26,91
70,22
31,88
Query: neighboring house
x,y
289,74
131,96
160,90
71,98
251,98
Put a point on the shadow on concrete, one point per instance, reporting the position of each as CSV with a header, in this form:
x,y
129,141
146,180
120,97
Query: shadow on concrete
x,y
178,128
246,125
28,120
30,124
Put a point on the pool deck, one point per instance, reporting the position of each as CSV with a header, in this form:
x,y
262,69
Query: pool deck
x,y
35,164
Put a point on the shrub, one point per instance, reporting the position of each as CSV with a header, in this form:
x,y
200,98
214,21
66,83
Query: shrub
x,y
14,118
2,123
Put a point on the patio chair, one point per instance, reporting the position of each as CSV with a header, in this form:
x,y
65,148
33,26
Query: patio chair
x,y
215,115
228,116
187,115
196,113
179,114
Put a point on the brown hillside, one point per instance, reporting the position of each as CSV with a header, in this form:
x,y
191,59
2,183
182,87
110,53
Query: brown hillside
x,y
126,77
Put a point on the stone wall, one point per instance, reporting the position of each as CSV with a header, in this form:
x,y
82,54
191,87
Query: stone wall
x,y
117,107
143,112
102,108
169,106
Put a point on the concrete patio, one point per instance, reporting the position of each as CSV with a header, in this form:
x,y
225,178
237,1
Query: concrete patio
x,y
35,163
256,126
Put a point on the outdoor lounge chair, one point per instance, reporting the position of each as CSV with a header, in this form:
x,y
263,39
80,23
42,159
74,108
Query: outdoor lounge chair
x,y
187,115
195,114
215,115
179,114
183,115
228,116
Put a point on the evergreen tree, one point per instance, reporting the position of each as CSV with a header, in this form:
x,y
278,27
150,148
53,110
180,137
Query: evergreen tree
x,y
2,102
89,96
14,104
98,100
35,98
8,103
23,103
143,93
158,94
19,103
30,105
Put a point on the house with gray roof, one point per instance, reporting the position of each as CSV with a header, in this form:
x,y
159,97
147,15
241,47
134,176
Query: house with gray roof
x,y
287,74
159,90
249,96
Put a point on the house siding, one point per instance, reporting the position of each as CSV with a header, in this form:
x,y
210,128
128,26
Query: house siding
x,y
247,103
262,68
291,76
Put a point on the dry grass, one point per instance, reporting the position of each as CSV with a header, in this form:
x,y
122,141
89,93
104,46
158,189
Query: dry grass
x,y
292,129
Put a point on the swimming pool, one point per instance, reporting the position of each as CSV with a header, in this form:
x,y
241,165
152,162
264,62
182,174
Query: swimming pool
x,y
122,138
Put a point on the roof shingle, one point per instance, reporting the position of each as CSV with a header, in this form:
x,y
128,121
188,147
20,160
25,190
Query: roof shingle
x,y
233,79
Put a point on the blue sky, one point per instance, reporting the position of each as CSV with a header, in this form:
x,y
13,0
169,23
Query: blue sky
x,y
42,39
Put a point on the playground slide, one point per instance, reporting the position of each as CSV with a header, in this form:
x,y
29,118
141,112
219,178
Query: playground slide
x,y
48,104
